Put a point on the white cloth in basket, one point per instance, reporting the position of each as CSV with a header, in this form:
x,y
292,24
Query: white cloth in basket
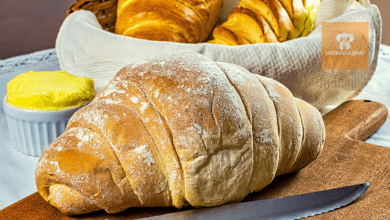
x,y
85,49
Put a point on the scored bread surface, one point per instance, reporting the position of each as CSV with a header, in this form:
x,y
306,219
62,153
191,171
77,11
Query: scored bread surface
x,y
178,130
277,21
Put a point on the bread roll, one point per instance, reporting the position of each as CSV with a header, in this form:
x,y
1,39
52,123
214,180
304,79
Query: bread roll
x,y
277,21
178,130
185,21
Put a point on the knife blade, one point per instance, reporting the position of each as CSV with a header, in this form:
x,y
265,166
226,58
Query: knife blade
x,y
289,207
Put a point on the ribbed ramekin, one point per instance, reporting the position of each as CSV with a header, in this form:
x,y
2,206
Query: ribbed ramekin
x,y
32,131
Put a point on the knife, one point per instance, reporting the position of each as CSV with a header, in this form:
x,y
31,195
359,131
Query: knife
x,y
290,207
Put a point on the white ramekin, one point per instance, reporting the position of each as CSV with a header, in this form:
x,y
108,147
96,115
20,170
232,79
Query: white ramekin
x,y
32,131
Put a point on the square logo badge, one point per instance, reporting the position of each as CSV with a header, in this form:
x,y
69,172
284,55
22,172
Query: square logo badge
x,y
345,45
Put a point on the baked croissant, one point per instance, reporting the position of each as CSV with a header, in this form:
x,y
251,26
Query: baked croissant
x,y
185,21
178,130
267,21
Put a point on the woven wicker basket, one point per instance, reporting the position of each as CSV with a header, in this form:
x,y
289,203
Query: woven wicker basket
x,y
105,11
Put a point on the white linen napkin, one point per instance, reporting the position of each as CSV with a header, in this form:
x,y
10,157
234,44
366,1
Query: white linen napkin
x,y
85,49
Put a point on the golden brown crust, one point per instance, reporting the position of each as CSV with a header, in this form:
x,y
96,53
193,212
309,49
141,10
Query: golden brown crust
x,y
269,35
243,22
228,37
284,20
188,21
262,9
313,134
130,95
79,173
277,21
176,130
262,114
289,122
288,5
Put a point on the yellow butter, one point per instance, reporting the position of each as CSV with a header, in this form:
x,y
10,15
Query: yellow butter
x,y
49,90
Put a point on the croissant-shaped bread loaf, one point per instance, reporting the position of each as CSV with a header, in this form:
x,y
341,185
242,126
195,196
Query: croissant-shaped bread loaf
x,y
267,21
185,21
178,130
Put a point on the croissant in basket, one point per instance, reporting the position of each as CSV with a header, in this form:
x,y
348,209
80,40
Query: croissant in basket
x,y
267,21
178,130
187,21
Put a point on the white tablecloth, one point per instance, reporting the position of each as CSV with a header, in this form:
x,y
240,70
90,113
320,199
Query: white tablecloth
x,y
17,171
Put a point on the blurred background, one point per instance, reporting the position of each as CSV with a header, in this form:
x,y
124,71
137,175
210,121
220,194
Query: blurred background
x,y
27,26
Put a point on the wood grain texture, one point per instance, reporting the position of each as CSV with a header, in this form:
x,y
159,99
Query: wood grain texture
x,y
345,160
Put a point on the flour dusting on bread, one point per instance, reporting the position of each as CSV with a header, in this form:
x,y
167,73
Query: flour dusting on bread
x,y
175,130
147,155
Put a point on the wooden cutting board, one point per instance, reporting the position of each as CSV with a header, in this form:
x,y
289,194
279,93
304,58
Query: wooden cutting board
x,y
345,160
